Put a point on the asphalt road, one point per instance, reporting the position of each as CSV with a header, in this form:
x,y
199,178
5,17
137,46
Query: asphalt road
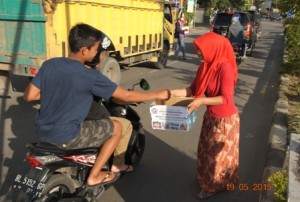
x,y
167,171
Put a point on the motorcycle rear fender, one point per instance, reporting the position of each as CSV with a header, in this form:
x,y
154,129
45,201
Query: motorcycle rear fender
x,y
38,173
42,174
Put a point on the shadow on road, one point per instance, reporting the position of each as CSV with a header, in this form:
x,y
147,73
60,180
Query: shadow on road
x,y
22,116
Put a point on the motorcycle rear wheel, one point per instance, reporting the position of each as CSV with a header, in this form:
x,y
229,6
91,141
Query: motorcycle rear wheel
x,y
56,187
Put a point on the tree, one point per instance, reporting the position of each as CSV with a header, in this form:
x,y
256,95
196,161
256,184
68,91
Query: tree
x,y
221,4
238,4
287,5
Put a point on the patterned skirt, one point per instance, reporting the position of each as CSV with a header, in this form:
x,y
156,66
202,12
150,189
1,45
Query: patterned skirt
x,y
218,153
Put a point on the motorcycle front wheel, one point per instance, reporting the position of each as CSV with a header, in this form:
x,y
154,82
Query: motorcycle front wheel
x,y
57,186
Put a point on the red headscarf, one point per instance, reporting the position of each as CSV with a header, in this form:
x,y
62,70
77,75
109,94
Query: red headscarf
x,y
215,49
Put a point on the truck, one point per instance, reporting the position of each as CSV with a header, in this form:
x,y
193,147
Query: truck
x,y
32,31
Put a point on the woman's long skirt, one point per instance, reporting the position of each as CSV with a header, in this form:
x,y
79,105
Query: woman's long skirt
x,y
218,153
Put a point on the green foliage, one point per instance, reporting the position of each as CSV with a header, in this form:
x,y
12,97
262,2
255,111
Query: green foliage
x,y
286,5
292,34
290,68
294,120
221,4
188,16
279,182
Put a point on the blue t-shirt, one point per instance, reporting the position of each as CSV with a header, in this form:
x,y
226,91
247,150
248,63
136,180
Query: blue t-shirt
x,y
67,88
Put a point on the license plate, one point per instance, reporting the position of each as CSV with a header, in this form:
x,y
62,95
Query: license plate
x,y
32,183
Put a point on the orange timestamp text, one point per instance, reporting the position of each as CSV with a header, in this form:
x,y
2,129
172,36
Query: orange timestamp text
x,y
249,187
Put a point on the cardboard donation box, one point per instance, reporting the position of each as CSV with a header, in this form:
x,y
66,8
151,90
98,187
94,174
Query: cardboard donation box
x,y
172,114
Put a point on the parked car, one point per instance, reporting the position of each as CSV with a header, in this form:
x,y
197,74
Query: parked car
x,y
255,19
275,16
222,21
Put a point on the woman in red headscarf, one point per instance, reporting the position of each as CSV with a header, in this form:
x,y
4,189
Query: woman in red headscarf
x,y
218,147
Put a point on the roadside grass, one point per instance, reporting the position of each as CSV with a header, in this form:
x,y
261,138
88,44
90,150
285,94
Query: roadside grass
x,y
293,96
292,71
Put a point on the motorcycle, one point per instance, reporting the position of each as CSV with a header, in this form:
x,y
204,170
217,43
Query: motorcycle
x,y
223,31
238,52
60,175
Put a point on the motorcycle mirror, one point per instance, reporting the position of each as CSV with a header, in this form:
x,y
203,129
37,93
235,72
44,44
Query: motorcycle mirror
x,y
144,84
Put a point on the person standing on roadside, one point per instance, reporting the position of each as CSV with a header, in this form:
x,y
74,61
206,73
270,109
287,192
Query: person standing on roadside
x,y
218,147
180,35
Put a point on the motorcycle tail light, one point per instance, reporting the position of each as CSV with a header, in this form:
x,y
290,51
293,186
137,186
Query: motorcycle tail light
x,y
248,30
42,160
33,161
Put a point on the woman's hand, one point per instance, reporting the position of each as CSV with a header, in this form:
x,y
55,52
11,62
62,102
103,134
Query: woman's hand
x,y
183,92
197,102
194,105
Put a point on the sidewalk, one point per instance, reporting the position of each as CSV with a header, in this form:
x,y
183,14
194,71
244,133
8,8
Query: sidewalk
x,y
276,155
282,154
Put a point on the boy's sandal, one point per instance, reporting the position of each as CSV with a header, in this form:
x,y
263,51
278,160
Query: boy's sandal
x,y
105,180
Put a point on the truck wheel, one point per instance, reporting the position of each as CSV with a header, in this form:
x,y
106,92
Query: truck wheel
x,y
111,69
162,59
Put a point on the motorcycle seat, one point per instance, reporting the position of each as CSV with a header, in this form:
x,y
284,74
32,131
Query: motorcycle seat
x,y
45,147
82,151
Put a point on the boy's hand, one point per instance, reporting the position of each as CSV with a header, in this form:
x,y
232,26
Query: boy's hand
x,y
164,94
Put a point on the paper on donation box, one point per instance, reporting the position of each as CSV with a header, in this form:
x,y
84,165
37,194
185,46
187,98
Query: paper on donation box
x,y
172,114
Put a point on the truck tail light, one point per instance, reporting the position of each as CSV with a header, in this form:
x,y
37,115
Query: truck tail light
x,y
33,71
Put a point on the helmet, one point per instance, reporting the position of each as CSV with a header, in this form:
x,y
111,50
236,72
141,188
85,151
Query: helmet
x,y
237,15
105,45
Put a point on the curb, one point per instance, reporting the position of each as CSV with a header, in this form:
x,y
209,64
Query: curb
x,y
281,153
294,167
277,145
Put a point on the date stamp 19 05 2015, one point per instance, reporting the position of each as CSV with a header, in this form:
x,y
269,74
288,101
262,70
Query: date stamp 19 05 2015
x,y
249,187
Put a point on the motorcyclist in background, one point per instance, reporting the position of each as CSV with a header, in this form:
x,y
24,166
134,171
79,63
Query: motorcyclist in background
x,y
236,34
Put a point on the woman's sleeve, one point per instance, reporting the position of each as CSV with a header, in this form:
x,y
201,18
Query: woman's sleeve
x,y
227,83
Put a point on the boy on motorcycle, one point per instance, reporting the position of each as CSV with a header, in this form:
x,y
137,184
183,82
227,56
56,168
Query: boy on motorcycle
x,y
98,112
65,88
